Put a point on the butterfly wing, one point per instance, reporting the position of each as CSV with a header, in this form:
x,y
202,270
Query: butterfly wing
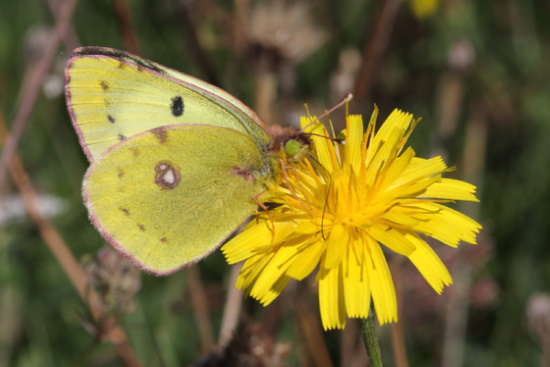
x,y
113,95
170,196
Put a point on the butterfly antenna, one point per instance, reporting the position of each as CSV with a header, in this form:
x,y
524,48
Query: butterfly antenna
x,y
324,212
343,101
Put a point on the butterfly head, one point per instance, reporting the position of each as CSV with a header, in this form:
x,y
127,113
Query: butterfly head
x,y
289,144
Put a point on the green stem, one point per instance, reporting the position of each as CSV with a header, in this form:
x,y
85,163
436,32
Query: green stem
x,y
368,329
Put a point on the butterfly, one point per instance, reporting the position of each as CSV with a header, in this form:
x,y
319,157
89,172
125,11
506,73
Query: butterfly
x,y
176,164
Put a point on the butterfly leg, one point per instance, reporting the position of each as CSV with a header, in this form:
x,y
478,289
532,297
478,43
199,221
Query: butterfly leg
x,y
266,210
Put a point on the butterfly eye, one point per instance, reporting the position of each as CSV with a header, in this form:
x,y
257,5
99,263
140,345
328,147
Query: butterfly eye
x,y
296,149
292,148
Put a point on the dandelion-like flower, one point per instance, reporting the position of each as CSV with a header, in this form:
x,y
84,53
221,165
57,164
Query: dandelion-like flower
x,y
340,208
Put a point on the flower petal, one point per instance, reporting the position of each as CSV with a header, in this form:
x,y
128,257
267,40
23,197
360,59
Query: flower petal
x,y
356,287
429,265
254,236
306,260
381,284
337,243
331,300
323,147
450,189
354,137
419,169
447,225
241,247
251,269
392,239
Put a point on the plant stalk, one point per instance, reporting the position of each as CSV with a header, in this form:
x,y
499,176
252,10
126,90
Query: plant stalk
x,y
370,339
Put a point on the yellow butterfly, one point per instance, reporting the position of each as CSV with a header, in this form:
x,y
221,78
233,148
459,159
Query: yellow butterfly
x,y
176,163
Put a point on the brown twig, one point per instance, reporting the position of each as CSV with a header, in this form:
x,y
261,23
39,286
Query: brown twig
x,y
352,349
374,47
456,313
113,332
266,84
29,91
200,308
129,38
449,104
240,34
232,308
196,50
70,39
397,336
311,329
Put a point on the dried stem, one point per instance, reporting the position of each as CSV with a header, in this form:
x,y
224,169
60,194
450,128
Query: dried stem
x,y
70,39
128,31
196,50
200,308
375,45
113,332
29,91
456,313
311,330
352,350
397,337
232,308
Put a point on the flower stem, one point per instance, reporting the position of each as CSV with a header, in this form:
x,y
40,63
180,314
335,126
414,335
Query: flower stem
x,y
370,339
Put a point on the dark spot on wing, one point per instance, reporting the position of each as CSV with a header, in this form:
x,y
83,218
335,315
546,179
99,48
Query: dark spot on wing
x,y
125,211
161,134
141,227
121,137
163,240
104,85
177,106
167,175
135,151
111,119
120,172
244,173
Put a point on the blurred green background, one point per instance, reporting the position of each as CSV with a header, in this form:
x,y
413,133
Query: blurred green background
x,y
477,72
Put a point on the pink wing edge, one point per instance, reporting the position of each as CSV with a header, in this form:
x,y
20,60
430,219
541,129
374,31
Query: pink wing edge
x,y
72,114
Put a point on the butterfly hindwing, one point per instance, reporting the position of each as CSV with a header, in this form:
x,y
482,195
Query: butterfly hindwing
x,y
166,198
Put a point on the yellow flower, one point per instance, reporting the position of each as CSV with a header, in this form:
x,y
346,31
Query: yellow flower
x,y
424,9
340,207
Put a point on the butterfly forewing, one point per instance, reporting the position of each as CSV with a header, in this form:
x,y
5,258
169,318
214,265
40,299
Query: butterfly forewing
x,y
113,95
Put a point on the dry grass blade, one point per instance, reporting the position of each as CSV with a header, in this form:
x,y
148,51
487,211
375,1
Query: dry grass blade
x,y
75,272
373,50
29,91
